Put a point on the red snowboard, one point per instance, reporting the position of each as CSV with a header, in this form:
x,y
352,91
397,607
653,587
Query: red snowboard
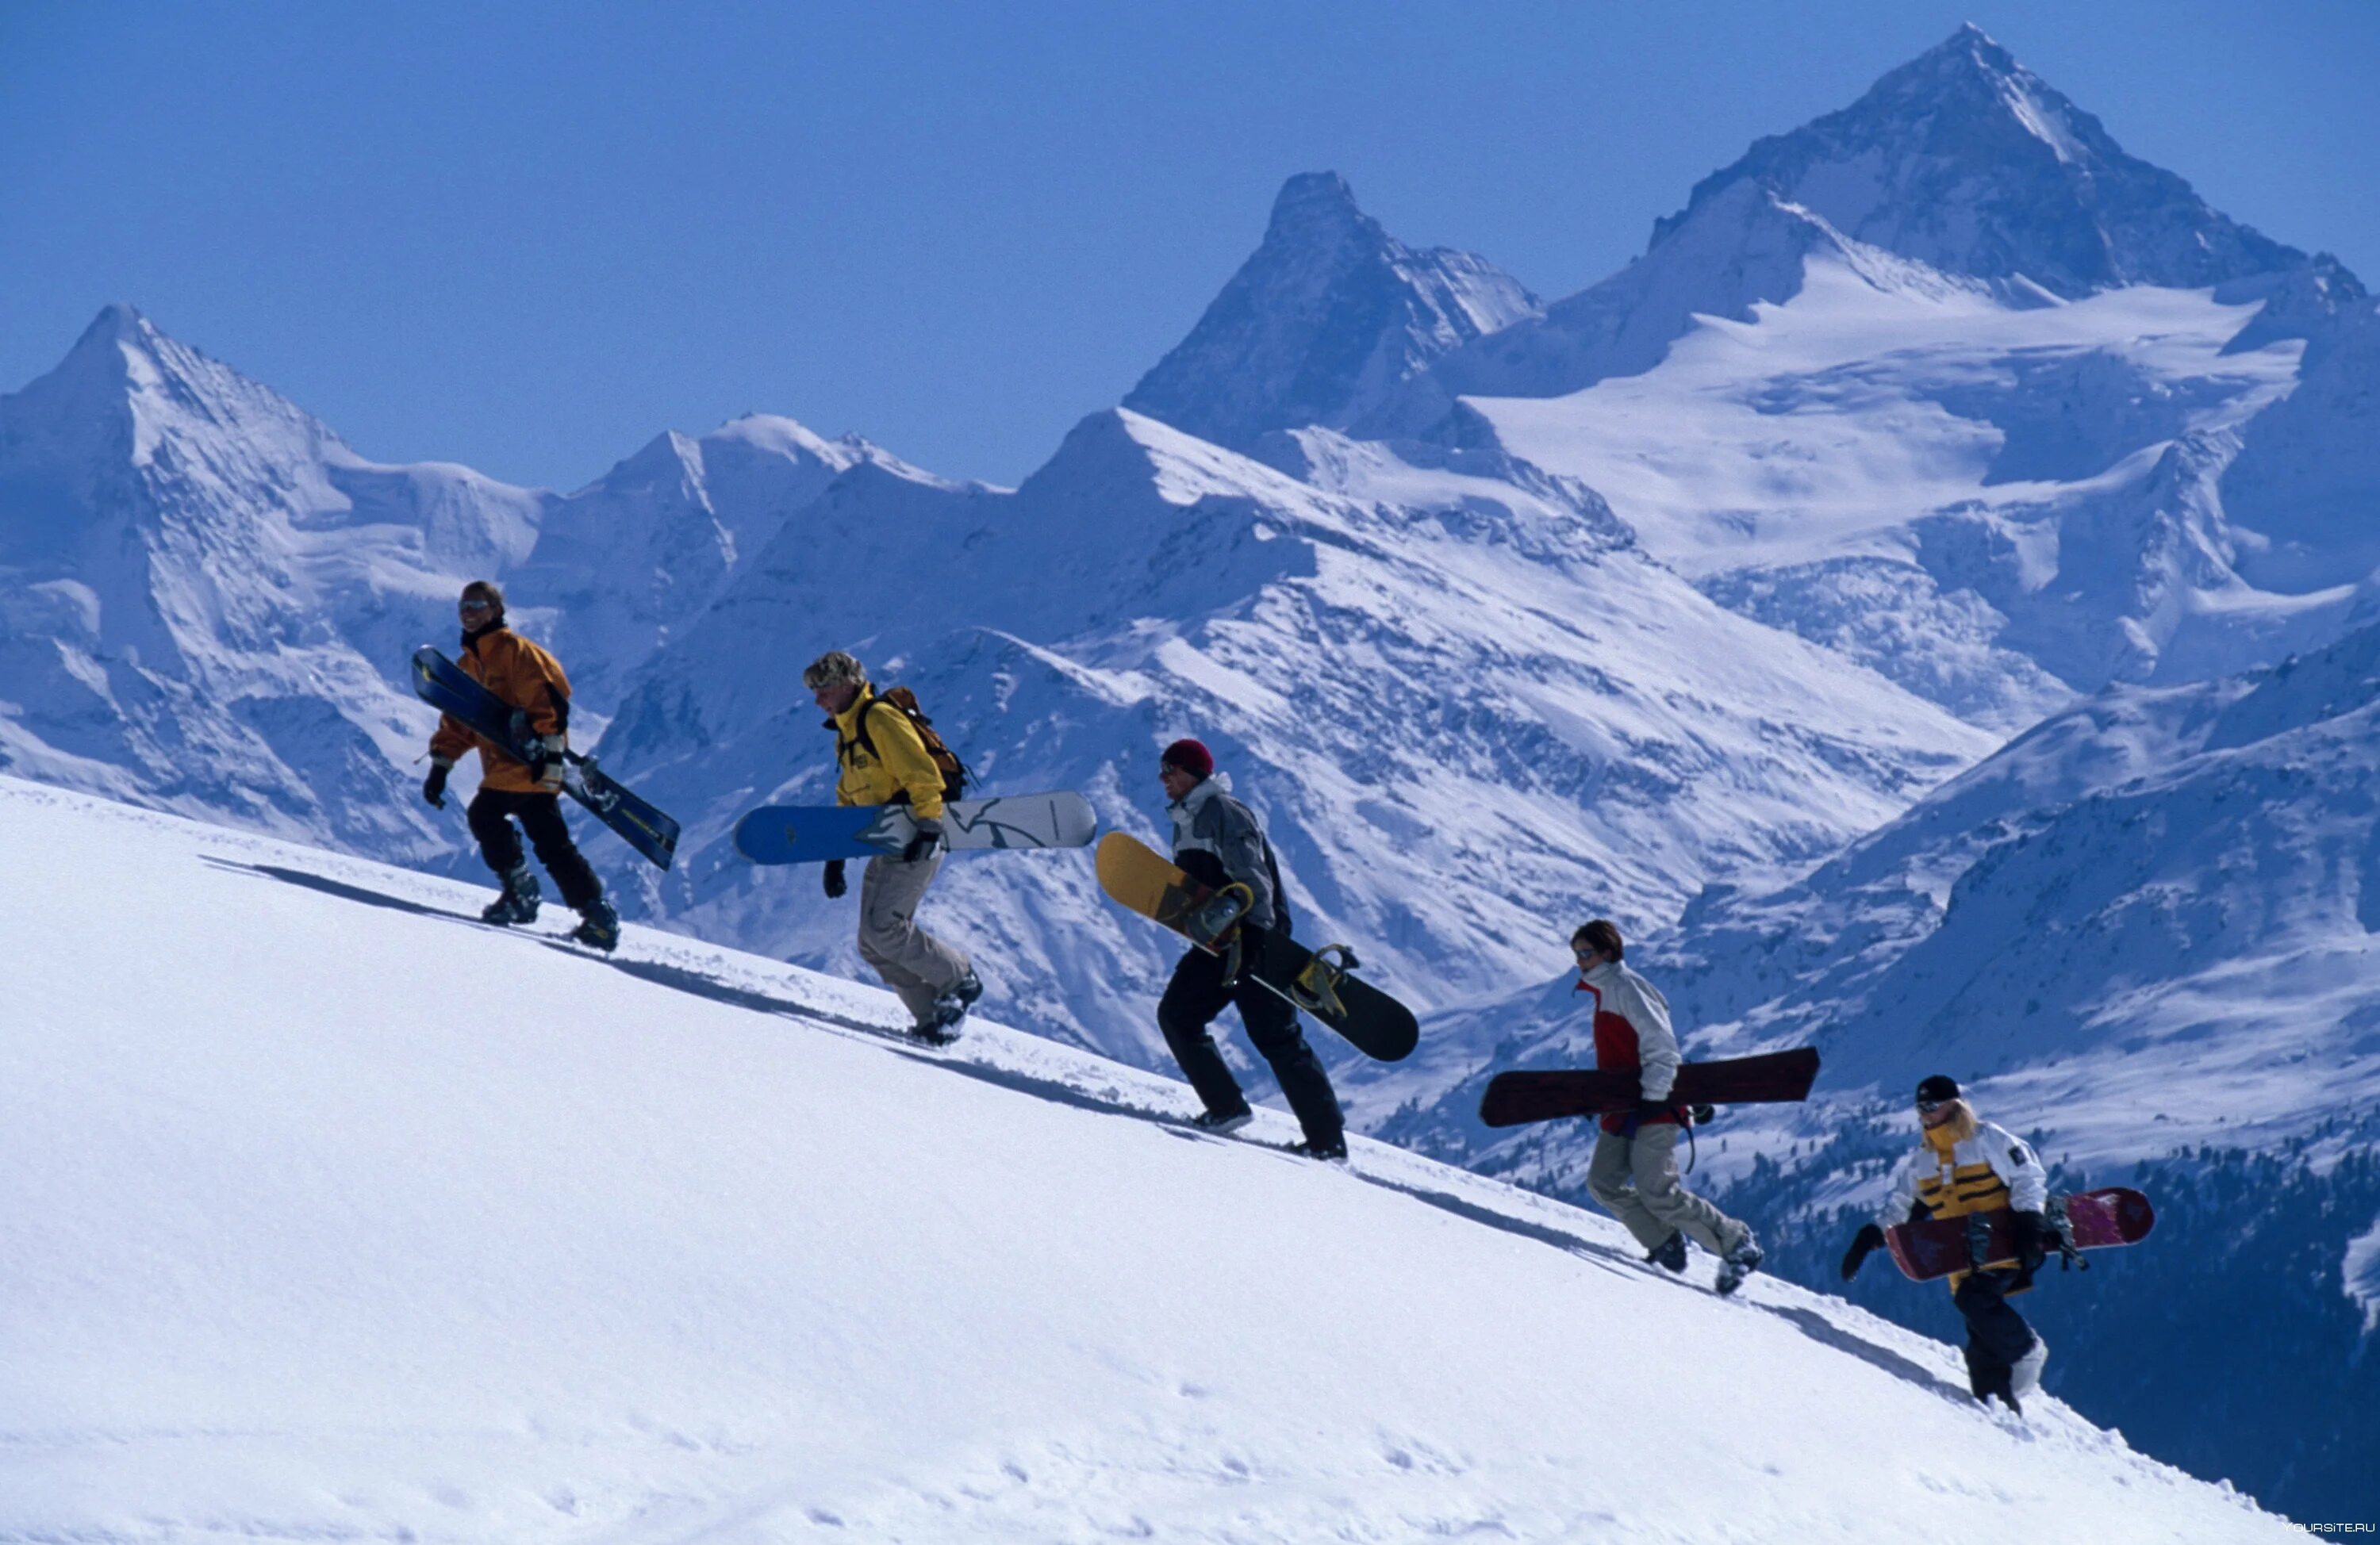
x,y
1515,1099
2093,1220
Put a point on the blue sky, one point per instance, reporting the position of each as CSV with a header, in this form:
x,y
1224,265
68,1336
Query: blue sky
x,y
529,237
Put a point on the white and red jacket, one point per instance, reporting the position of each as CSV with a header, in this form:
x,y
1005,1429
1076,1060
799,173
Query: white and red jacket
x,y
1631,1033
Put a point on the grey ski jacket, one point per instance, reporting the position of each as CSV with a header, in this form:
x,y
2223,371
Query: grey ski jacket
x,y
1207,821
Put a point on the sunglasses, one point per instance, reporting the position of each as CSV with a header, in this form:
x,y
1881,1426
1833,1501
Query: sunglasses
x,y
467,607
1927,1107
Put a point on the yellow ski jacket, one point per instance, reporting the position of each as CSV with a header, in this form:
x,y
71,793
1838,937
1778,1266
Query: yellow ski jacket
x,y
898,771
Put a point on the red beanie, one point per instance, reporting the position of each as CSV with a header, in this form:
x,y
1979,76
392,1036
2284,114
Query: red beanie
x,y
1191,756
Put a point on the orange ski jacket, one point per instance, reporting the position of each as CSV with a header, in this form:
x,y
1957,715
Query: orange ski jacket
x,y
522,676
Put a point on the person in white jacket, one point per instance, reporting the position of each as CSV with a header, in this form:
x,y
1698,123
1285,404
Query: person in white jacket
x,y
1965,1165
1635,1171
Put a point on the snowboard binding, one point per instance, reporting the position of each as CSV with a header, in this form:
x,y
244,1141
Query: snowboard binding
x,y
1216,921
1315,989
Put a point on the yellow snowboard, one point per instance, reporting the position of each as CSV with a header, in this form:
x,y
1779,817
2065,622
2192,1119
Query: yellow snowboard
x,y
1319,982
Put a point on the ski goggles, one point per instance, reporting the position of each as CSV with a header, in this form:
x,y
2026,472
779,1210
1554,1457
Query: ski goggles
x,y
1927,1107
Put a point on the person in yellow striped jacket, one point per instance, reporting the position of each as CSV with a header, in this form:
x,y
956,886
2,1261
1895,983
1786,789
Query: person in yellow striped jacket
x,y
1962,1166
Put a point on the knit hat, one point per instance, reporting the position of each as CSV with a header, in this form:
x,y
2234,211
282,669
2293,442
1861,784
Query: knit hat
x,y
1941,1086
1191,756
835,669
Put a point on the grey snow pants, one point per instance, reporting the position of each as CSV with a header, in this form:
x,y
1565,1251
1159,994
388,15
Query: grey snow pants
x,y
916,965
1636,1179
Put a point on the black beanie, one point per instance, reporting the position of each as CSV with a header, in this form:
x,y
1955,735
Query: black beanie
x,y
1941,1086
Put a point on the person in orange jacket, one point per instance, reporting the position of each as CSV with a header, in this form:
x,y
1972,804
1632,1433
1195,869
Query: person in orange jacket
x,y
528,679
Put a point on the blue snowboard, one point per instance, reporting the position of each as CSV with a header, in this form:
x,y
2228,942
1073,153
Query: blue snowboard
x,y
448,688
814,833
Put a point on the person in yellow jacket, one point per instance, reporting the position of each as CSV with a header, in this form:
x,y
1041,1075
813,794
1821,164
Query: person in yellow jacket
x,y
531,681
1965,1166
881,759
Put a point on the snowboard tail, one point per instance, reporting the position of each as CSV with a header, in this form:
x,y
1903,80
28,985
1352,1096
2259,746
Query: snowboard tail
x,y
812,833
448,688
1319,981
1932,1248
1772,1078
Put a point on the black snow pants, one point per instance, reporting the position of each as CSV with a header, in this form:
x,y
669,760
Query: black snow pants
x,y
491,814
1192,1000
1996,1334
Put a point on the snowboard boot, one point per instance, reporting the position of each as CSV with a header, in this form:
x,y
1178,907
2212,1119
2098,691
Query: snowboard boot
x,y
2025,1377
1220,1122
1670,1253
953,1006
599,926
941,1025
1738,1265
1329,1149
519,903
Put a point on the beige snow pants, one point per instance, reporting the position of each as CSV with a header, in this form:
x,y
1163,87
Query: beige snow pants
x,y
916,965
1636,1179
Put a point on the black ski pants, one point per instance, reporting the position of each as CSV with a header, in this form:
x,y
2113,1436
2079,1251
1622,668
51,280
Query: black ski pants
x,y
1996,1334
1192,1000
491,815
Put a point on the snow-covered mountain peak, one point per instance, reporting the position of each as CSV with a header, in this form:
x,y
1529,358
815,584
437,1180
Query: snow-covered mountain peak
x,y
1127,456
1317,208
125,389
1326,315
1968,161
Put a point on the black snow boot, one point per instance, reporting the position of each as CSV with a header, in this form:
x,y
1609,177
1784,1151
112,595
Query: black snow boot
x,y
1738,1265
953,1006
1330,1149
1220,1122
519,903
599,925
1670,1253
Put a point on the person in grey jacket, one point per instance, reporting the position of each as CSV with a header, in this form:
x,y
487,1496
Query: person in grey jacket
x,y
1218,842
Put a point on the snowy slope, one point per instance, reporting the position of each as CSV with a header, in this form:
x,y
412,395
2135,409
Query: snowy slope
x,y
310,1241
1463,698
1327,316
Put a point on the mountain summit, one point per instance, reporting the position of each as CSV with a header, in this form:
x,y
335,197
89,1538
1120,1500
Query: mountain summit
x,y
1968,161
1960,168
1327,315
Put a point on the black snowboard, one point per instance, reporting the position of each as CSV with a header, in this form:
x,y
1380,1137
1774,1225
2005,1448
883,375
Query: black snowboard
x,y
1773,1078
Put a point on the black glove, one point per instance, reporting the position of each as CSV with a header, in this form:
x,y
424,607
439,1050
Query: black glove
x,y
928,838
1705,1114
2032,1237
834,884
433,788
1653,1110
1867,1240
